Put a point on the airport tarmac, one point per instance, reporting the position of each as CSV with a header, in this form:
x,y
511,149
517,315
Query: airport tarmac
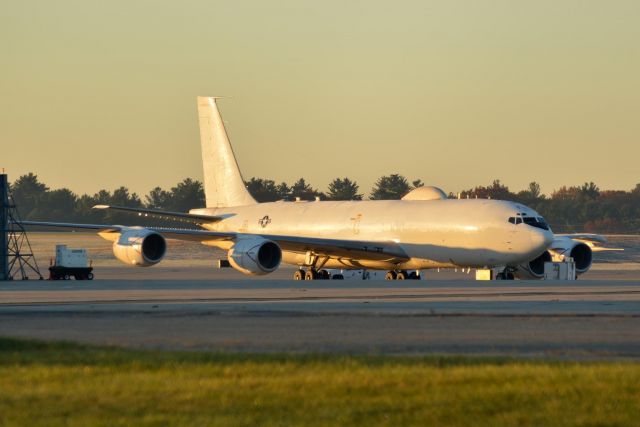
x,y
186,303
577,320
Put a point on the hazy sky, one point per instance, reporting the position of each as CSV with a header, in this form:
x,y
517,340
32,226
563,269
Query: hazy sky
x,y
101,94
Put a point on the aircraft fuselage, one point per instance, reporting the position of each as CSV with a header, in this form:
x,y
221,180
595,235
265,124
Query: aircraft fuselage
x,y
433,233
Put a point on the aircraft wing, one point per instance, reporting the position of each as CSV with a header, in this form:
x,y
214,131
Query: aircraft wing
x,y
585,237
591,240
334,248
50,226
175,216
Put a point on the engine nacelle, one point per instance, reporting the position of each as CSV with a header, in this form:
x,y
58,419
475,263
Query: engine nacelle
x,y
561,249
255,256
140,247
533,269
565,247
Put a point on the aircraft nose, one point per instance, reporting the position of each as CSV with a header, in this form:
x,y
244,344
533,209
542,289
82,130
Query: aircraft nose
x,y
541,239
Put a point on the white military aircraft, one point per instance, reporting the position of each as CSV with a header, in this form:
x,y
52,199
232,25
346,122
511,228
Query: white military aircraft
x,y
424,230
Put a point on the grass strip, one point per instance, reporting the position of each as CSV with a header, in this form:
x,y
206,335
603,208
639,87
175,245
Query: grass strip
x,y
68,384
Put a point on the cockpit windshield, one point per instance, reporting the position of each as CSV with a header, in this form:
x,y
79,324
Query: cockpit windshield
x,y
537,222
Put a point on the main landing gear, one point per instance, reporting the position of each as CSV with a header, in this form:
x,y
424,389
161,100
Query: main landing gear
x,y
311,274
314,270
401,275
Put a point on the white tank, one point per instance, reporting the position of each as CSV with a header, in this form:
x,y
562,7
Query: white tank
x,y
70,257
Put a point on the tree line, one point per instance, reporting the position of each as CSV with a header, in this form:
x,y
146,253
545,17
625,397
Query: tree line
x,y
583,208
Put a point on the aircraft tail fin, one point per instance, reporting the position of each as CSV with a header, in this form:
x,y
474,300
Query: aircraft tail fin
x,y
223,183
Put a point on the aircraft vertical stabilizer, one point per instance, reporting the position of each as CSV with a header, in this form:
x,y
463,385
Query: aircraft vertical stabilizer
x,y
223,183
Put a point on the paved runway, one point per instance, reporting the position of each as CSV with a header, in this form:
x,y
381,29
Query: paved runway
x,y
585,319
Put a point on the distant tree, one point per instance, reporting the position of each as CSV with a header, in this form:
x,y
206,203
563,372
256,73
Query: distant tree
x,y
102,197
186,195
496,191
566,193
284,191
305,191
264,190
343,189
583,208
158,198
27,193
57,205
589,190
534,190
604,225
499,191
531,196
391,187
301,188
84,207
122,197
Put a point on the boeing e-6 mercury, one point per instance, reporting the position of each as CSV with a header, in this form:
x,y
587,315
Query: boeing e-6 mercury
x,y
424,230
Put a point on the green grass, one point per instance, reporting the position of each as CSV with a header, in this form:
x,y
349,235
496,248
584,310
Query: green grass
x,y
74,385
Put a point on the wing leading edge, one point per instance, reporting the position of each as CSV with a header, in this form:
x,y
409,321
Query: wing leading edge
x,y
591,240
174,216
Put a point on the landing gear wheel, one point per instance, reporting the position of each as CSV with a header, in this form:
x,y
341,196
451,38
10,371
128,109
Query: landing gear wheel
x,y
414,276
90,276
311,275
391,275
338,277
298,275
324,275
401,275
66,277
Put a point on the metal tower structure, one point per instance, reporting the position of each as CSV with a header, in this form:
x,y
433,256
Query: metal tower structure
x,y
4,228
16,255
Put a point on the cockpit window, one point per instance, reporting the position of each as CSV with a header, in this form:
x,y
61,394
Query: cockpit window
x,y
543,222
538,222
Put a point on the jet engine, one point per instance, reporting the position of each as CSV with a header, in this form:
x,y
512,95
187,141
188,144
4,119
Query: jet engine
x,y
255,256
561,249
533,269
564,247
140,247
